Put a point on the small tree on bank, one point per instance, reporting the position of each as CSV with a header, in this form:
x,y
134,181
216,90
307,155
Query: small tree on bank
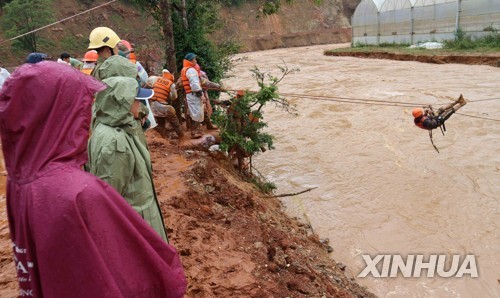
x,y
241,128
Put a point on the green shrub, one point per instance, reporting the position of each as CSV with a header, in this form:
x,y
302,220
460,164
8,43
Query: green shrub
x,y
466,42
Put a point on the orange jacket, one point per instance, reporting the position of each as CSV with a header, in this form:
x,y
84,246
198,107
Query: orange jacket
x,y
162,90
87,71
185,81
132,57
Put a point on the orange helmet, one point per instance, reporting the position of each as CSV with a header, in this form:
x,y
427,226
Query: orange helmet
x,y
240,93
90,56
417,112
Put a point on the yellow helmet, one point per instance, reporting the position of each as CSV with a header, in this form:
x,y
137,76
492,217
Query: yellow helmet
x,y
103,36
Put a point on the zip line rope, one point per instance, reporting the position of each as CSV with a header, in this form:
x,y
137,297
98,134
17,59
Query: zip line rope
x,y
478,117
486,99
60,21
376,102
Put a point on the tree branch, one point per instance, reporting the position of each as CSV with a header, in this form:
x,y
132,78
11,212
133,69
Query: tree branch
x,y
291,194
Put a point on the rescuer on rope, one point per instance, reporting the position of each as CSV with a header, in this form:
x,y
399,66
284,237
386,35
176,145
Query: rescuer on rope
x,y
428,119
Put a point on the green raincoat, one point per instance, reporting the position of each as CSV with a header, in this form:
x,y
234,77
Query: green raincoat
x,y
117,66
117,150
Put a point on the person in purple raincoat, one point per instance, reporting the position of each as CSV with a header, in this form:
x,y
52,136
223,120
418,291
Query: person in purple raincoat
x,y
72,234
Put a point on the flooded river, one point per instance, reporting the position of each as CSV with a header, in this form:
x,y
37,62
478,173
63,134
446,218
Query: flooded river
x,y
381,187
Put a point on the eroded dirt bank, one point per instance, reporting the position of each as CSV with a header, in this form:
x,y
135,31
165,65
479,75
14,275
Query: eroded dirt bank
x,y
492,60
233,242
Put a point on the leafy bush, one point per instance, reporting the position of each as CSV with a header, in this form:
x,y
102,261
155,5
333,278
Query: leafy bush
x,y
466,42
241,127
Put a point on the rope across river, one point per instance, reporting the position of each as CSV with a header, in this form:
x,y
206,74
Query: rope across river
x,y
376,102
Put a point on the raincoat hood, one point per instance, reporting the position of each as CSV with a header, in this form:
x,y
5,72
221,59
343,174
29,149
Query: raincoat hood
x,y
34,113
117,66
112,106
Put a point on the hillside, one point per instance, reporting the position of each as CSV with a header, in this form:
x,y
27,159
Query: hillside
x,y
298,24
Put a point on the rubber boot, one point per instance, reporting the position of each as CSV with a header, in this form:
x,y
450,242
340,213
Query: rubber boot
x,y
161,126
195,130
174,121
209,124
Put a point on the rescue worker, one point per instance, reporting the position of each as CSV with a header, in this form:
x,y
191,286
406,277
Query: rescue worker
x,y
72,235
64,59
75,63
89,61
429,120
206,84
126,49
4,75
118,152
103,40
191,82
165,93
36,57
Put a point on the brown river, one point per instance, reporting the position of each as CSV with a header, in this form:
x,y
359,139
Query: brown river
x,y
381,186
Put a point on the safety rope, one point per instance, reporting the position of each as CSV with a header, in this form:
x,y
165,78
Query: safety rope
x,y
374,102
478,117
60,21
486,99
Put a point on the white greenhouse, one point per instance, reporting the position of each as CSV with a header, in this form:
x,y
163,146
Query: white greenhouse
x,y
413,21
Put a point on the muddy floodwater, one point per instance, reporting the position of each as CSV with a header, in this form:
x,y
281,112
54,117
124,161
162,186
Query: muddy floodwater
x,y
381,187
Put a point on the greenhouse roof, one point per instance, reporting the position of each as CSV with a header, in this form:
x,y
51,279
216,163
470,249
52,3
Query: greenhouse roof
x,y
399,4
378,3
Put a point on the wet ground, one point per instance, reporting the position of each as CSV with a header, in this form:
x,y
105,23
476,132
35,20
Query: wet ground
x,y
233,242
382,188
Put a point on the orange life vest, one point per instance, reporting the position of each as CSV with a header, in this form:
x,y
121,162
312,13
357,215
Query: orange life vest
x,y
87,71
162,90
168,76
185,81
132,57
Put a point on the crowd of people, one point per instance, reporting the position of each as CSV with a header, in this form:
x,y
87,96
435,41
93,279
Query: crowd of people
x,y
83,213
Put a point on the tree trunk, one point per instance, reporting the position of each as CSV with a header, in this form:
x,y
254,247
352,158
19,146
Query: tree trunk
x,y
184,15
168,33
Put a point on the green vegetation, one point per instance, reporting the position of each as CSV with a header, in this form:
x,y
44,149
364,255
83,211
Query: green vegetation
x,y
263,184
466,42
3,2
241,127
22,16
203,19
186,26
